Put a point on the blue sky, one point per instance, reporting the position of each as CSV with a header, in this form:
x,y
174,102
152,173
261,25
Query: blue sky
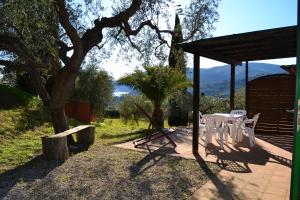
x,y
236,16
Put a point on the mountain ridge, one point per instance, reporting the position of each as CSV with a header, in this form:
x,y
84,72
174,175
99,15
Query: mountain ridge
x,y
215,81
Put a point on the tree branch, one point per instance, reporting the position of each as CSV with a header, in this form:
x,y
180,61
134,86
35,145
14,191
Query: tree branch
x,y
12,44
128,31
94,36
65,22
63,50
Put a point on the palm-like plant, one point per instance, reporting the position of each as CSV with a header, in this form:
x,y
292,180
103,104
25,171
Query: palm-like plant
x,y
157,84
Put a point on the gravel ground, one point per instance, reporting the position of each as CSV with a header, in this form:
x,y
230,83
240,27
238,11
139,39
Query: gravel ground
x,y
107,172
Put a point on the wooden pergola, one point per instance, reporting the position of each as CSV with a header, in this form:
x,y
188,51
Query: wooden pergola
x,y
234,49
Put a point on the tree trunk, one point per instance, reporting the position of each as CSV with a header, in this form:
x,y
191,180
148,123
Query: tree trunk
x,y
136,119
157,118
60,123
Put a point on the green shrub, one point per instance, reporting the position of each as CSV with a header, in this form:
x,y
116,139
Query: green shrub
x,y
240,99
129,111
113,114
94,86
179,107
210,104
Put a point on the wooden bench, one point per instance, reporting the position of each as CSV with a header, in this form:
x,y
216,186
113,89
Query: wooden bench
x,y
55,146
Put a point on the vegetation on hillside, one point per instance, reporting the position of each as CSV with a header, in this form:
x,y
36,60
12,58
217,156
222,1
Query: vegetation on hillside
x,y
22,128
23,97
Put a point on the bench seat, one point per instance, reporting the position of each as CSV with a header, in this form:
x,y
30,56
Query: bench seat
x,y
55,146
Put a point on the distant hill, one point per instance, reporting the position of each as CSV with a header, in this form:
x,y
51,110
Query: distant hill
x,y
216,80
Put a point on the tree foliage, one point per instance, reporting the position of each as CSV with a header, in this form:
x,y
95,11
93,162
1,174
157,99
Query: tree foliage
x,y
53,38
239,98
128,110
157,84
211,104
94,86
176,55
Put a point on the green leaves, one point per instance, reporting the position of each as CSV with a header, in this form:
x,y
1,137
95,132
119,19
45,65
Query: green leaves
x,y
94,86
34,23
156,83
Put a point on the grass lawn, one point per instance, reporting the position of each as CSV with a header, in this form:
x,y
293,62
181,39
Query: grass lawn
x,y
102,172
21,131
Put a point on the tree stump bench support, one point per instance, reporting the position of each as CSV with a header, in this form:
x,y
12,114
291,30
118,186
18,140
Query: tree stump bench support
x,y
55,146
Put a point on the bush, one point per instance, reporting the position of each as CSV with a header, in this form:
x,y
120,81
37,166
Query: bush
x,y
95,87
179,107
113,114
129,111
240,99
210,104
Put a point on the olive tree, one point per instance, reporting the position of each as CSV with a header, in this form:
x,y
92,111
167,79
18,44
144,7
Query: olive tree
x,y
54,37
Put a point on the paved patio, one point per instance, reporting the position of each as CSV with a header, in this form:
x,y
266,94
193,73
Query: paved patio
x,y
262,172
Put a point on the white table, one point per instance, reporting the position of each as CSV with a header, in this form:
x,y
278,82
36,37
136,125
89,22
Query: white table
x,y
230,117
233,118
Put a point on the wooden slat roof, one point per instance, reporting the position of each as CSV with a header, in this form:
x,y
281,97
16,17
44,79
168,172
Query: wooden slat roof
x,y
257,45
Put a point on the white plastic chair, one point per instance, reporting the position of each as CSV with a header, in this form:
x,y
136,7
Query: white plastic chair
x,y
222,129
236,131
215,125
201,125
250,130
239,112
210,128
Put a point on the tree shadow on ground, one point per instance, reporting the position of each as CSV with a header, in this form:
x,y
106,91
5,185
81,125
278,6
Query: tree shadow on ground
x,y
110,136
35,169
126,137
143,164
181,182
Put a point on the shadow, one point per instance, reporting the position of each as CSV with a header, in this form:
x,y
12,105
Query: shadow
x,y
140,133
223,190
77,148
281,160
144,164
283,141
133,136
154,155
35,169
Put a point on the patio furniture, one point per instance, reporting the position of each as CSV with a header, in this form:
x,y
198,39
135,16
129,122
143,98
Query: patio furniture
x,y
236,131
215,124
151,133
239,112
201,125
55,146
232,122
249,130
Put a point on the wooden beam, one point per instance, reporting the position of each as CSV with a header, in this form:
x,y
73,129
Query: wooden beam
x,y
196,93
246,86
232,86
208,53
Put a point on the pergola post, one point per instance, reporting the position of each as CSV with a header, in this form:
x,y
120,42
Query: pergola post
x,y
246,86
295,180
196,92
232,86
